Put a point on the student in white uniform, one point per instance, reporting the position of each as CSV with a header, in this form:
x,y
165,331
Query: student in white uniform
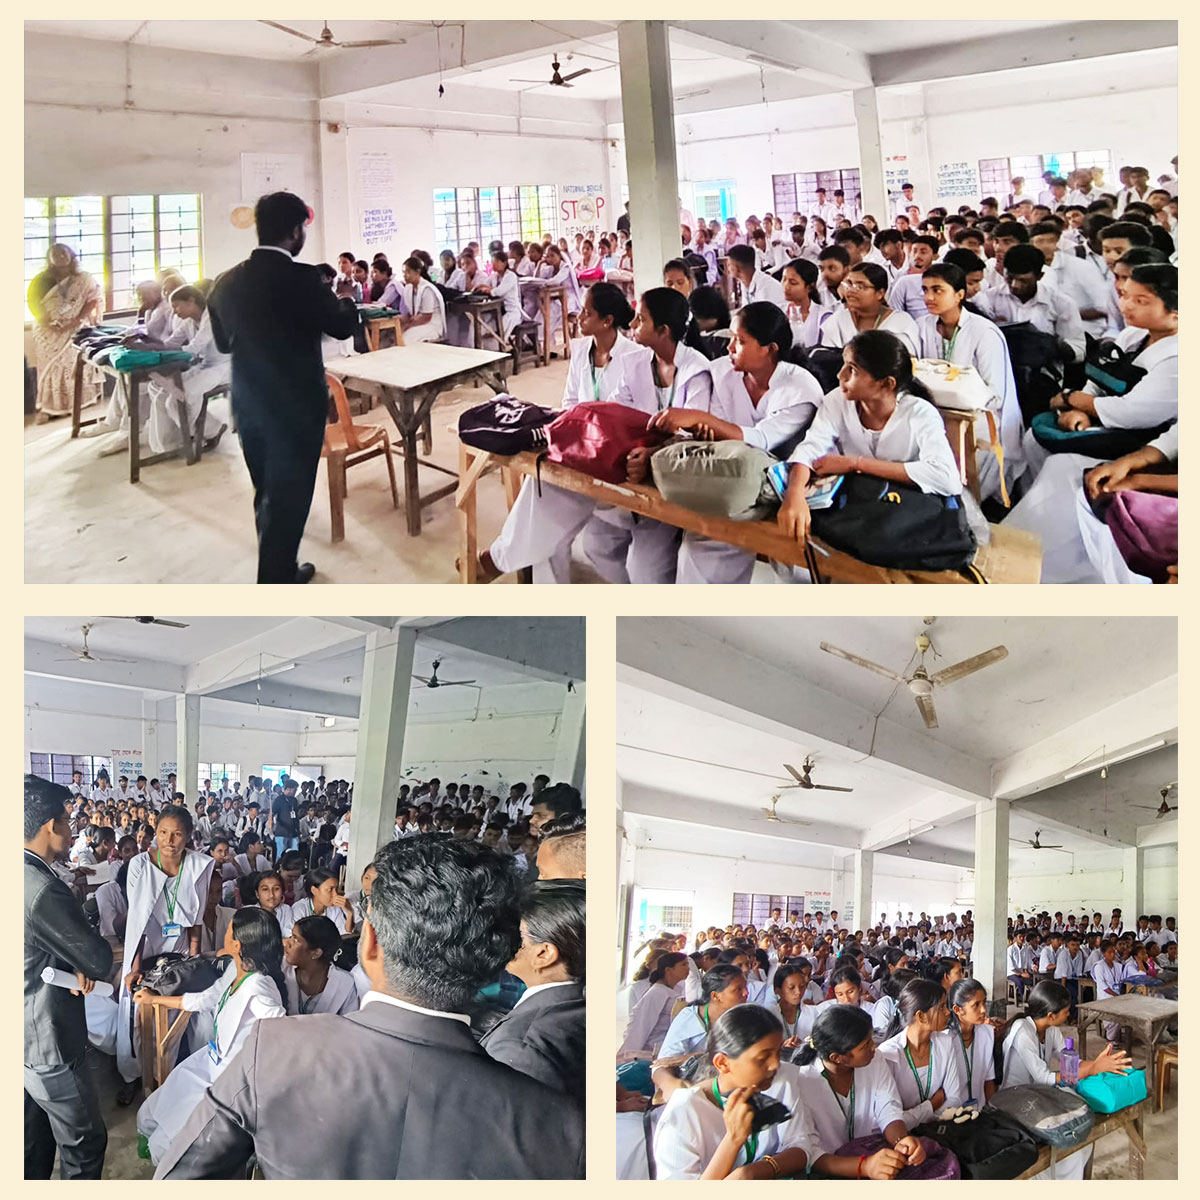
x,y
806,313
268,893
321,897
556,271
971,1037
505,286
314,983
905,293
848,1093
951,332
111,900
167,890
878,422
705,1131
425,320
650,1017
654,372
756,284
721,988
922,1065
250,857
789,984
1073,277
249,990
760,397
867,306
1031,1046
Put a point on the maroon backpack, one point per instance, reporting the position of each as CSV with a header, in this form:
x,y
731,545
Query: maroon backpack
x,y
596,437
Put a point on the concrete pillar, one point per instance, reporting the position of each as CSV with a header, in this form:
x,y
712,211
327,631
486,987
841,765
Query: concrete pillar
x,y
570,749
1133,875
870,157
648,109
334,218
382,719
864,877
150,756
187,746
989,953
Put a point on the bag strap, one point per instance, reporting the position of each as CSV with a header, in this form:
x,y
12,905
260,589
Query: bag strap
x,y
648,1134
810,561
998,451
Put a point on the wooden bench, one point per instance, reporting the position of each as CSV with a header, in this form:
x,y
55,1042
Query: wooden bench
x,y
1012,556
373,327
159,1037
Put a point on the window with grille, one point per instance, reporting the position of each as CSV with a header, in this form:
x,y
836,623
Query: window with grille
x,y
677,916
216,772
120,240
996,174
756,908
60,767
524,213
798,192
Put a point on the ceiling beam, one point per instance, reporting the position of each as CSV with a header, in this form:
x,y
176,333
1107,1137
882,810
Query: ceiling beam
x,y
783,45
1044,821
52,661
1069,42
924,852
549,648
915,820
277,693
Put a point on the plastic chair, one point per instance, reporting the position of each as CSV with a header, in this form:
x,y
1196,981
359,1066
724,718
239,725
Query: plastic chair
x,y
347,445
1168,1058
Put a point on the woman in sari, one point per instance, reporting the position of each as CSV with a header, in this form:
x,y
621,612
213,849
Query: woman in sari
x,y
63,299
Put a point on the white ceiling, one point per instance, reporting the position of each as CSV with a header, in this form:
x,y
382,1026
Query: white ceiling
x,y
883,37
1053,675
112,638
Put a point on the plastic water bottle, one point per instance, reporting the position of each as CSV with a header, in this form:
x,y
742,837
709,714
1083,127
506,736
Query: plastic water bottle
x,y
1068,1064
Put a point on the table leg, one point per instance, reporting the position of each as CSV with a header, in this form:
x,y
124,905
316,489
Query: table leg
x,y
1136,1131
476,321
468,528
512,485
1082,1020
544,301
77,399
409,429
971,460
566,330
133,389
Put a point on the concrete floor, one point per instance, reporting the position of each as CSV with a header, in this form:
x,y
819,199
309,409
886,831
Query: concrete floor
x,y
85,523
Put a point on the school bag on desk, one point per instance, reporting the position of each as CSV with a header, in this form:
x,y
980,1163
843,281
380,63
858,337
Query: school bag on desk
x,y
718,479
596,437
990,1145
1111,1093
1054,1115
505,425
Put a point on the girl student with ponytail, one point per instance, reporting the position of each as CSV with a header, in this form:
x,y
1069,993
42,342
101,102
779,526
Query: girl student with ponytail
x,y
706,1131
722,988
880,421
921,1065
251,989
845,987
651,1015
762,395
789,983
886,1017
653,372
970,1035
848,1093
314,983
865,290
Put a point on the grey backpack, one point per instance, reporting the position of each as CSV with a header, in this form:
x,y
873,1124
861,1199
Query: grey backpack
x,y
718,479
1058,1116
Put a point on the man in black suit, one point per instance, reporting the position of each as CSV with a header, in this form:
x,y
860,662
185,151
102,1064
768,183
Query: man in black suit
x,y
269,313
60,1105
545,1034
400,1089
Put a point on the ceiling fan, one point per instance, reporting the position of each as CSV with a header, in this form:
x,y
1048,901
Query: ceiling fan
x,y
557,79
921,683
326,41
151,621
1163,809
432,680
803,778
771,815
85,655
1036,842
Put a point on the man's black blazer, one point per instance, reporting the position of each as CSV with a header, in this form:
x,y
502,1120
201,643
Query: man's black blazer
x,y
545,1037
269,313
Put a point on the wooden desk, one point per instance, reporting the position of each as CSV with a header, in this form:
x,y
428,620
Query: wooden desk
x,y
475,311
159,1036
546,294
1131,1120
408,379
375,325
1147,1015
960,430
1012,556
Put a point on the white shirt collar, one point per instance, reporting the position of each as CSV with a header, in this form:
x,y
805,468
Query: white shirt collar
x,y
279,249
427,1012
541,987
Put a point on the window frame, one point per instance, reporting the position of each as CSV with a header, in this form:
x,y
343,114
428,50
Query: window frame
x,y
801,192
523,212
989,169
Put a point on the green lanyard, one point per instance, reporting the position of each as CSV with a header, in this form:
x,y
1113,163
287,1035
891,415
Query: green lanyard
x,y
923,1092
596,381
658,388
751,1143
968,1057
796,1022
233,987
178,880
948,346
850,1118
704,1020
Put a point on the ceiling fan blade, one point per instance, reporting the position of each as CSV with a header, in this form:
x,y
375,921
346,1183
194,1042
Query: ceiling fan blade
x,y
375,42
928,712
561,84
423,678
969,666
1147,807
294,32
576,74
535,82
1043,846
791,821
827,787
800,779
862,662
456,683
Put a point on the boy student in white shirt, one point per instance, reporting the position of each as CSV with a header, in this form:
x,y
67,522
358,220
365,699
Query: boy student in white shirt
x,y
1019,959
893,257
1048,955
1137,189
906,293
1074,278
756,285
901,205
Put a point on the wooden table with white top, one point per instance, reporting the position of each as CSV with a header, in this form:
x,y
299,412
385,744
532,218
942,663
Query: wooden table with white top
x,y
408,379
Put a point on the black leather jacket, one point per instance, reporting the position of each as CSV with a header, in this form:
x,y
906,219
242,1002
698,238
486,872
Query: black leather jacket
x,y
56,935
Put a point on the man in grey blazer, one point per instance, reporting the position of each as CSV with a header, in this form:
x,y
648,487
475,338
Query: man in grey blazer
x,y
60,1105
400,1089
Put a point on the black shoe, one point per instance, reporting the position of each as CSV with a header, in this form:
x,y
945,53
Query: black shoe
x,y
127,1090
305,572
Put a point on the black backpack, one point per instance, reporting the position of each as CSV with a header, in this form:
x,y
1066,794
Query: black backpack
x,y
505,425
991,1146
825,362
172,974
1037,366
1111,367
896,525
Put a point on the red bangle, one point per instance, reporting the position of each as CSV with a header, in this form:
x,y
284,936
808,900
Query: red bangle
x,y
860,1163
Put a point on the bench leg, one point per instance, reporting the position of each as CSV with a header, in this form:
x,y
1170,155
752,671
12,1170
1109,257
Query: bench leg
x,y
185,431
77,399
336,466
468,530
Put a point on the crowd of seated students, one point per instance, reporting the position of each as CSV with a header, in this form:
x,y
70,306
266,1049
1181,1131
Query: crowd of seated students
x,y
1040,296
255,874
857,1033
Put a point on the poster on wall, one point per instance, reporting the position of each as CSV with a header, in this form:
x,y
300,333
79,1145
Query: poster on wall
x,y
127,763
957,181
818,902
377,196
265,173
165,769
895,172
582,209
846,915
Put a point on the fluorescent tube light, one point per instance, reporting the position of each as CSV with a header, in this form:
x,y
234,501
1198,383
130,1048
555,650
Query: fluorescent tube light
x,y
1097,764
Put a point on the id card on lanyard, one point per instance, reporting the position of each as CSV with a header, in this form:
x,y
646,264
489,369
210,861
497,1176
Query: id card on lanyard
x,y
172,928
